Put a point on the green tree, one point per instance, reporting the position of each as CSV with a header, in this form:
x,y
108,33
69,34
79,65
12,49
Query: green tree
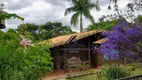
x,y
5,16
81,7
18,62
44,31
29,30
138,20
50,30
103,25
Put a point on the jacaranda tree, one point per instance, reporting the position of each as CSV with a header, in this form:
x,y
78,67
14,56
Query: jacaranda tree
x,y
124,42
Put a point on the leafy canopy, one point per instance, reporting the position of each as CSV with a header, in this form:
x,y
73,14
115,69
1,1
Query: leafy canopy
x,y
22,63
43,31
6,16
103,25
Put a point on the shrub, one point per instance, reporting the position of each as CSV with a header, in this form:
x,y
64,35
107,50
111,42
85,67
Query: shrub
x,y
22,63
114,72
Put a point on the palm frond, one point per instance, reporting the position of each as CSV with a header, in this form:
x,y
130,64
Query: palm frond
x,y
75,2
91,6
88,15
97,7
69,10
74,19
92,19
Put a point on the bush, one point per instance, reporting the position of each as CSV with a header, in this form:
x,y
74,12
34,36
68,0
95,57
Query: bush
x,y
114,72
133,66
22,63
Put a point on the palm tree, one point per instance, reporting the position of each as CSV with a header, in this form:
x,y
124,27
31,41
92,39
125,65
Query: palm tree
x,y
81,7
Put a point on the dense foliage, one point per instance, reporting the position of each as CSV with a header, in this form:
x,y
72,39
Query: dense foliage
x,y
124,42
18,62
43,31
103,25
50,30
29,30
5,16
114,72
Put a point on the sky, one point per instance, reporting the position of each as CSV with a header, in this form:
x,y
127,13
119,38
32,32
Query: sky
x,y
42,11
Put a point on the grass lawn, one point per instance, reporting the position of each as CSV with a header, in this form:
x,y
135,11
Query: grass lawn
x,y
93,76
88,77
137,72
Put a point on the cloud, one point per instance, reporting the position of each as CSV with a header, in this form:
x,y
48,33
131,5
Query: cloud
x,y
41,11
17,4
56,2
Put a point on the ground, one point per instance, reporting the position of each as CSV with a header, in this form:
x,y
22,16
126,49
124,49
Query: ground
x,y
60,75
93,77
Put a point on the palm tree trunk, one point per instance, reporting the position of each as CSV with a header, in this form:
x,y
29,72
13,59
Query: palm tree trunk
x,y
81,26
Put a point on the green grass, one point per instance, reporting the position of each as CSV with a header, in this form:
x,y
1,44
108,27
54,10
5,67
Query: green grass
x,y
137,72
93,76
88,77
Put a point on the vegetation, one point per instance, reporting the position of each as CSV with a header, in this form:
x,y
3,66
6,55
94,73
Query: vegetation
x,y
114,72
103,25
81,7
124,42
50,30
24,61
44,31
29,30
20,62
5,15
99,76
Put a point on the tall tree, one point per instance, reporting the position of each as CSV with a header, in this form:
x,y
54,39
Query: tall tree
x,y
81,7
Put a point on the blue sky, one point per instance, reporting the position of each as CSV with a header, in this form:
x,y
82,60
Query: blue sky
x,y
41,11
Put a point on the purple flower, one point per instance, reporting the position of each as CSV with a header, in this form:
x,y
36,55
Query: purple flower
x,y
121,41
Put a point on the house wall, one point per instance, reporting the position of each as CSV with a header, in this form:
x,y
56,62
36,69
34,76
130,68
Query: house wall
x,y
96,58
60,56
82,53
55,55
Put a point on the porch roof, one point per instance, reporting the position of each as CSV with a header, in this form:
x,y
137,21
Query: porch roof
x,y
61,40
100,41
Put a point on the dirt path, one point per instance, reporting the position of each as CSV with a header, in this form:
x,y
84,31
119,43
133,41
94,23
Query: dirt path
x,y
58,77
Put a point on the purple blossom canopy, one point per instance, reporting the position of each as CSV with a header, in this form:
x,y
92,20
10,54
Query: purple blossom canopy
x,y
122,40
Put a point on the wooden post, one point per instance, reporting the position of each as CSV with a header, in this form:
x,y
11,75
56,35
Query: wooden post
x,y
65,59
89,54
57,56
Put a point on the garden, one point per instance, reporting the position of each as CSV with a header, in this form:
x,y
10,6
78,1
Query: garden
x,y
23,58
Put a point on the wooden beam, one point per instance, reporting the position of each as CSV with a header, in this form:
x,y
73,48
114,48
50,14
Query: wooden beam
x,y
65,59
57,56
89,54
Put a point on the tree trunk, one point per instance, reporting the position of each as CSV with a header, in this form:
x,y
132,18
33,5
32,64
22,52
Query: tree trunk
x,y
81,26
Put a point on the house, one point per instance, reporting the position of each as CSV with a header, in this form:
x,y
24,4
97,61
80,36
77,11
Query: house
x,y
75,49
